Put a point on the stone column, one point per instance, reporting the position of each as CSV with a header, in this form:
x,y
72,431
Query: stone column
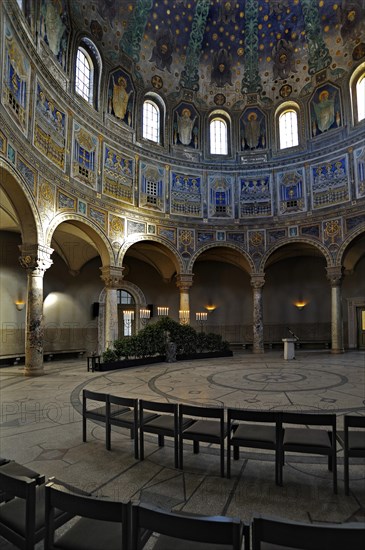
x,y
334,275
257,282
112,277
184,282
36,259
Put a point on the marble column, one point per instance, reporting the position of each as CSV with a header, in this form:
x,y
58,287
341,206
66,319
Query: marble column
x,y
257,282
112,277
35,259
334,275
184,282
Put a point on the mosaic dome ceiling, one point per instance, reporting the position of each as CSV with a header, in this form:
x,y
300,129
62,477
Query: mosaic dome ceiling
x,y
225,50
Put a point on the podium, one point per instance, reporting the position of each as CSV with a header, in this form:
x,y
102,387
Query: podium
x,y
289,348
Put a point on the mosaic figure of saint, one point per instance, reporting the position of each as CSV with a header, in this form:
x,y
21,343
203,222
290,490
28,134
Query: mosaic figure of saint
x,y
252,131
185,126
221,73
52,24
162,51
120,97
325,111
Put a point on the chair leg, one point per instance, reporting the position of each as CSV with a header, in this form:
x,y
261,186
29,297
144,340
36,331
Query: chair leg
x,y
196,447
229,460
135,437
84,429
181,445
236,452
161,440
334,468
346,473
176,451
108,437
141,444
222,458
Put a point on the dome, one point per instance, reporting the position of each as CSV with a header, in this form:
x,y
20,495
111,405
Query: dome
x,y
222,52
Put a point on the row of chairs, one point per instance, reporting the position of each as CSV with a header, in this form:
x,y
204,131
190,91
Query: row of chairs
x,y
271,430
70,519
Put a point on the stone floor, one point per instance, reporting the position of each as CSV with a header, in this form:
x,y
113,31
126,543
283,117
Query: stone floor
x,y
41,428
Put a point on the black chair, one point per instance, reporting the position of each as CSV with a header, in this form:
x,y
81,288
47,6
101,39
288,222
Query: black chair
x,y
101,523
164,423
122,412
307,440
353,442
253,429
22,512
200,429
275,534
99,413
184,531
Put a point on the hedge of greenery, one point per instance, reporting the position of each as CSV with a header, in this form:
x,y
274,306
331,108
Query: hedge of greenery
x,y
152,340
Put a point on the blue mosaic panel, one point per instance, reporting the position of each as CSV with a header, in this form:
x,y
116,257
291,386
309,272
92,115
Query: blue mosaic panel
x,y
255,196
186,195
118,175
330,183
152,187
205,236
359,160
28,173
136,227
16,80
291,191
221,194
85,154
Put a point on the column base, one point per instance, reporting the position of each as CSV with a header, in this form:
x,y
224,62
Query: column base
x,y
33,371
337,351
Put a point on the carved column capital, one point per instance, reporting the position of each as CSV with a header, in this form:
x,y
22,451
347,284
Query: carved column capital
x,y
112,276
36,259
258,281
335,275
184,281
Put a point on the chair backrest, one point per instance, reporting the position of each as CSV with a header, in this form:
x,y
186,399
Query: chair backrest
x,y
123,402
353,421
60,497
311,419
201,411
185,526
306,536
93,396
252,416
157,406
21,529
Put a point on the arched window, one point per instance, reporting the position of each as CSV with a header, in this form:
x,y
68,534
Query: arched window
x,y
127,308
151,121
87,71
288,129
360,97
84,75
218,132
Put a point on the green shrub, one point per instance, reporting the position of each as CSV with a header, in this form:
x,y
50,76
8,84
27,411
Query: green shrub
x,y
109,356
152,341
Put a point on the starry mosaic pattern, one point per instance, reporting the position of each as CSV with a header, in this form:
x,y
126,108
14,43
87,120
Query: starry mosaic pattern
x,y
279,23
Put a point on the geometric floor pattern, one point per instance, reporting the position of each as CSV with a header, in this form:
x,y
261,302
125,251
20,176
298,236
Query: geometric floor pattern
x,y
40,427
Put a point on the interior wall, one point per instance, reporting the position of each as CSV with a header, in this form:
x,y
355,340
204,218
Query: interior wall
x,y
13,287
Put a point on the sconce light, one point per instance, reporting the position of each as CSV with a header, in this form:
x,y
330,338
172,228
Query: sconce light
x,y
19,305
162,311
210,308
300,305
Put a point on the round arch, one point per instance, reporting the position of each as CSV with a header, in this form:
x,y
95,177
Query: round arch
x,y
94,232
140,302
316,245
23,203
174,256
209,246
347,242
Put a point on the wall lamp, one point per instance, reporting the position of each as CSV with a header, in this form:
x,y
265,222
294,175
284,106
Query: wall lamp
x,y
210,308
19,305
300,305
